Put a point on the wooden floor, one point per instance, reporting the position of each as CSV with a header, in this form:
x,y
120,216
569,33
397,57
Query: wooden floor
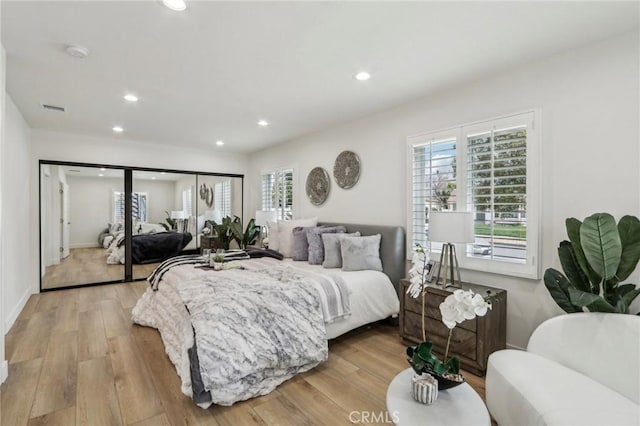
x,y
75,358
88,265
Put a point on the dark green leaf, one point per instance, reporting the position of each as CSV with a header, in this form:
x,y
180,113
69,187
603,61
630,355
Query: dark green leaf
x,y
593,302
574,273
629,231
452,366
558,287
622,307
624,289
573,231
630,296
601,244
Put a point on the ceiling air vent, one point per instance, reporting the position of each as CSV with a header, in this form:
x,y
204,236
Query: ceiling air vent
x,y
53,107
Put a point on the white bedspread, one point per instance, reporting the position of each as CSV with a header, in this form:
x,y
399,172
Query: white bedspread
x,y
372,298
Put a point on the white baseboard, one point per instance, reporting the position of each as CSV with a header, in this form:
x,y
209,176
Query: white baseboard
x,y
84,245
4,372
13,315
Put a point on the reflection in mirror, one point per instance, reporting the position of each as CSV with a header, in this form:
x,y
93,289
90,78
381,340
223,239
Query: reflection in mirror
x,y
164,218
218,197
80,225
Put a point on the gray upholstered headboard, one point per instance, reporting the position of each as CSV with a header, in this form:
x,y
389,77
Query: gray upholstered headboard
x,y
392,247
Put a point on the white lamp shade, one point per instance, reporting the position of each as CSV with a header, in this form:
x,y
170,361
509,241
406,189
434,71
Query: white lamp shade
x,y
264,216
178,214
451,227
213,215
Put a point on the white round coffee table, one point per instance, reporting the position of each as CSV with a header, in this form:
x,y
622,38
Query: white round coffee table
x,y
460,406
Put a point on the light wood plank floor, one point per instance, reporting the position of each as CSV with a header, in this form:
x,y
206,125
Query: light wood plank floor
x,y
86,266
76,358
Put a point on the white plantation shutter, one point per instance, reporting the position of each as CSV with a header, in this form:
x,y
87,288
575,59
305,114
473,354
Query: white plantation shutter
x,y
497,191
277,192
434,186
222,197
138,206
492,171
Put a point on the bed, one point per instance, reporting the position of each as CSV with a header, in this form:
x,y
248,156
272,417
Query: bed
x,y
152,246
276,316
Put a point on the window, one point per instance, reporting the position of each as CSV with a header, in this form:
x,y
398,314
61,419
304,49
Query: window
x,y
138,206
277,192
187,202
222,197
490,168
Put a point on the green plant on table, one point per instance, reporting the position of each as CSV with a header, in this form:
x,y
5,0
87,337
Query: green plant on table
x,y
598,258
218,258
171,223
248,236
222,233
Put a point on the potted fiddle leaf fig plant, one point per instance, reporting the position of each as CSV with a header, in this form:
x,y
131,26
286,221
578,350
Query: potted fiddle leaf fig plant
x,y
598,257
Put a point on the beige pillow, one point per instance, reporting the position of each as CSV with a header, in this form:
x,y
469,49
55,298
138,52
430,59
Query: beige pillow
x,y
285,231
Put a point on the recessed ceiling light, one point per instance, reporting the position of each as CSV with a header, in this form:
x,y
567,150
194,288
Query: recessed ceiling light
x,y
263,123
163,173
153,178
101,174
130,97
362,76
219,143
177,5
102,169
118,129
77,51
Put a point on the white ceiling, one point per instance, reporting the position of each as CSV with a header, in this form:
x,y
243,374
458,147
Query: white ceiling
x,y
213,71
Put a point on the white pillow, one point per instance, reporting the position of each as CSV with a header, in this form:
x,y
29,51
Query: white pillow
x,y
274,235
285,231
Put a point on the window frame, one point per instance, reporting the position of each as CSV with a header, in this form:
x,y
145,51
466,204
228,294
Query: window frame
x,y
530,268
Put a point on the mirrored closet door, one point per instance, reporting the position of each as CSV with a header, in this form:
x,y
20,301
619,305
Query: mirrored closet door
x,y
164,218
80,225
108,224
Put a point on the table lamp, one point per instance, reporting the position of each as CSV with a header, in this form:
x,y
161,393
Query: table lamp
x,y
450,228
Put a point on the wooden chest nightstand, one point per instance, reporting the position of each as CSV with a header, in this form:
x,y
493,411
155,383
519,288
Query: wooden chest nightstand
x,y
473,340
207,242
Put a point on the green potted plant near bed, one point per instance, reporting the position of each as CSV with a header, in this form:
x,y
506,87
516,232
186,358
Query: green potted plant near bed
x,y
598,257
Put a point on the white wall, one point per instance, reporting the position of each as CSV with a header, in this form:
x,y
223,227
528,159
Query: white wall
x,y
90,207
18,257
160,197
590,149
4,368
91,204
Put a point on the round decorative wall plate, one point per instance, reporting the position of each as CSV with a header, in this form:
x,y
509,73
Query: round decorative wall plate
x,y
318,186
346,169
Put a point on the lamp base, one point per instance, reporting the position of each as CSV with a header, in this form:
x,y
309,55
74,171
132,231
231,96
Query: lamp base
x,y
449,267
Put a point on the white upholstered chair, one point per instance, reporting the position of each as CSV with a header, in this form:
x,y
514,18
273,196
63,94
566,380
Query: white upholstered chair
x,y
579,369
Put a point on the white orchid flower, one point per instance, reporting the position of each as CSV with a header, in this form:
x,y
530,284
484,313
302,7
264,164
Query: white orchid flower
x,y
418,273
462,305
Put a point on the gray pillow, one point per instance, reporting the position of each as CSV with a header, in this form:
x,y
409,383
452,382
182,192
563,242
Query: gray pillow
x,y
316,247
361,253
332,252
300,244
